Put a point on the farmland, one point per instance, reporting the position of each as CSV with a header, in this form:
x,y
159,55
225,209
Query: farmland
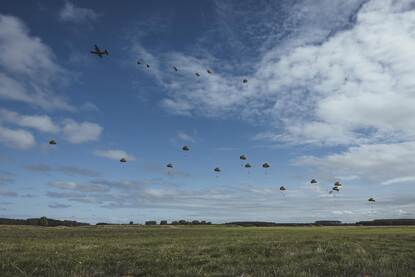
x,y
215,250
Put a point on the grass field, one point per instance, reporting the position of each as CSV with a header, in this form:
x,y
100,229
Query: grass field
x,y
206,251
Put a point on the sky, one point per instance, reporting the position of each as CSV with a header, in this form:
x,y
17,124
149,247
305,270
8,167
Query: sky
x,y
330,96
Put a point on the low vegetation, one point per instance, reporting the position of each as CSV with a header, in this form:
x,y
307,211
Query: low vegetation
x,y
206,250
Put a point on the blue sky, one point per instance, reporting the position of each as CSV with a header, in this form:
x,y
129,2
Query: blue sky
x,y
329,96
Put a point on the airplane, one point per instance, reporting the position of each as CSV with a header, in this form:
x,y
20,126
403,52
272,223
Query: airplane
x,y
98,52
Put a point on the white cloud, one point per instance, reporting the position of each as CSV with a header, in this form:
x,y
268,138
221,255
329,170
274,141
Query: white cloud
x,y
350,86
380,163
16,138
74,14
76,132
28,67
185,136
114,154
404,179
42,123
78,187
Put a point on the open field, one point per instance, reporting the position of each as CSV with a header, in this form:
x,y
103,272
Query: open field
x,y
206,251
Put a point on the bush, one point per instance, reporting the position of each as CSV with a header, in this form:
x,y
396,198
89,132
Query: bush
x,y
151,222
131,223
43,221
163,222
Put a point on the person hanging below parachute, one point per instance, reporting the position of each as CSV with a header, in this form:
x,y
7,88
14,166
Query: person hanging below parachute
x,y
209,71
217,171
169,168
266,166
175,68
282,190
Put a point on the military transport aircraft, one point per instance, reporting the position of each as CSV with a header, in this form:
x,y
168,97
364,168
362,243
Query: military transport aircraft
x,y
98,51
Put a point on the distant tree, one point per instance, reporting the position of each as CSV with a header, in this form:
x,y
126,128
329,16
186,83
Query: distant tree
x,y
151,222
195,222
209,222
203,222
131,223
182,222
43,221
163,222
175,222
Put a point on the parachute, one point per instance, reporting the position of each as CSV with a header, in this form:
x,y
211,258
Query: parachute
x,y
338,184
147,65
52,142
242,157
197,74
247,165
185,148
244,81
371,199
313,181
175,68
217,169
123,160
209,72
169,168
266,166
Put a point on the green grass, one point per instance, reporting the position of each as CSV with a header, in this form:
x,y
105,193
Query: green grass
x,y
206,251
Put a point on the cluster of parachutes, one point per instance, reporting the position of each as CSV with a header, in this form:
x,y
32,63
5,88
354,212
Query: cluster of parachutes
x,y
335,189
176,69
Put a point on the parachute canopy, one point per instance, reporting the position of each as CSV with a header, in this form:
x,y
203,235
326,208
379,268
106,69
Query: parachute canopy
x,y
208,71
313,181
175,68
123,160
265,165
185,148
282,188
197,74
337,184
169,165
244,81
52,142
217,169
242,157
248,165
371,199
